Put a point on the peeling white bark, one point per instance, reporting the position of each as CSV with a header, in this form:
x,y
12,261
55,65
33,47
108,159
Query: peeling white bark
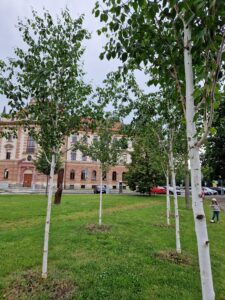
x,y
197,201
100,202
48,218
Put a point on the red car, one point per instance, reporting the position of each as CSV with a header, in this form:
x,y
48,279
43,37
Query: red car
x,y
158,190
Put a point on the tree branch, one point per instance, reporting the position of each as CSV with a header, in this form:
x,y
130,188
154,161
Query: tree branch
x,y
212,93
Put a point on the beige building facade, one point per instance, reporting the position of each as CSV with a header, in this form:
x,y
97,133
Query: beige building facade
x,y
80,172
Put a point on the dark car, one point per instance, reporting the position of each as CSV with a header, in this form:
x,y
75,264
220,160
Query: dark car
x,y
219,189
97,189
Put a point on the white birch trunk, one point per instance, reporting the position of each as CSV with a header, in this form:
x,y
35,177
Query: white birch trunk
x,y
167,199
47,222
177,221
100,202
187,183
197,201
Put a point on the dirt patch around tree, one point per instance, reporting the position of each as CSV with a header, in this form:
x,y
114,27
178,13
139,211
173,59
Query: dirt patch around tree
x,y
174,257
30,285
95,228
164,225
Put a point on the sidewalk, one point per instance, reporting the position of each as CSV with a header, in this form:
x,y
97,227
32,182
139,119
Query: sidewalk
x,y
24,191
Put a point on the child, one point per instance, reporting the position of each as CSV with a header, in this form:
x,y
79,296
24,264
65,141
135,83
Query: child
x,y
216,210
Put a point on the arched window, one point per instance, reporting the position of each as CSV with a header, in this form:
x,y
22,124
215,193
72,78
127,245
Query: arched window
x,y
104,175
114,175
84,175
8,149
124,176
94,174
72,174
6,174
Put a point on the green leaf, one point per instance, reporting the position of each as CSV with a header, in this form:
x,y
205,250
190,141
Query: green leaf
x,y
124,57
101,56
213,131
97,13
104,17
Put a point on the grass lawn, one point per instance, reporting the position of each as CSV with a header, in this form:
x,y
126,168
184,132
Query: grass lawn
x,y
132,258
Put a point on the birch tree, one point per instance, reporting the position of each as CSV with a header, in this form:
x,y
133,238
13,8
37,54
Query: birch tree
x,y
161,36
165,125
45,87
106,148
42,164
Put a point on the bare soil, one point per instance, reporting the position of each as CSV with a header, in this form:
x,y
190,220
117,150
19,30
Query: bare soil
x,y
31,286
95,228
174,257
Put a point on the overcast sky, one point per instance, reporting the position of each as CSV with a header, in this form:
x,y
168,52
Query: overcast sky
x,y
10,37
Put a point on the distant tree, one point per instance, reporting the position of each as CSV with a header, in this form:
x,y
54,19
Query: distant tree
x,y
106,148
142,173
214,156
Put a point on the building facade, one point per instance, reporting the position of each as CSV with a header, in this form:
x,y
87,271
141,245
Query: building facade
x,y
80,171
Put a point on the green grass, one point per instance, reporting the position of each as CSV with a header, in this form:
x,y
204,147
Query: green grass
x,y
127,262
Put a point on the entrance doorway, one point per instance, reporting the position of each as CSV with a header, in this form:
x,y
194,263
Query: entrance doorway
x,y
27,180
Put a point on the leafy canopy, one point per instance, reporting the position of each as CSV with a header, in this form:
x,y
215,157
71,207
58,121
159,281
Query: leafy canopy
x,y
44,82
107,145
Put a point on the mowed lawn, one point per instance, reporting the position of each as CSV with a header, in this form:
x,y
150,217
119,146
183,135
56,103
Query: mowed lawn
x,y
132,258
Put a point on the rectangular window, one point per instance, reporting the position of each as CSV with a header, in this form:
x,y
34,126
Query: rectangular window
x,y
74,139
73,155
30,145
8,155
9,139
84,157
83,186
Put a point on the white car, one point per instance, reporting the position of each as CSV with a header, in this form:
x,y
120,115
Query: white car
x,y
171,190
208,191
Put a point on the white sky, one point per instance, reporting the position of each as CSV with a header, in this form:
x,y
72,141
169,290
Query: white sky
x,y
11,10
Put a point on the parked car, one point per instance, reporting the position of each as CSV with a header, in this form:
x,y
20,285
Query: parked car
x,y
208,191
219,189
158,190
171,190
97,189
